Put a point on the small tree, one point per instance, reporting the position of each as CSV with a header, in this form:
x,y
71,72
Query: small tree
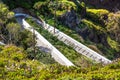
x,y
54,6
5,15
26,39
113,26
14,30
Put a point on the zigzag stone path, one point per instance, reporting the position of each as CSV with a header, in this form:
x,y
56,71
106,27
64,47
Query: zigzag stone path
x,y
79,47
41,41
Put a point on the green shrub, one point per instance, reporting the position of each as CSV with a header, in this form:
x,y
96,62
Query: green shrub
x,y
42,7
18,56
113,26
33,70
93,47
65,4
90,24
114,66
2,63
23,65
69,52
113,44
98,76
96,14
39,5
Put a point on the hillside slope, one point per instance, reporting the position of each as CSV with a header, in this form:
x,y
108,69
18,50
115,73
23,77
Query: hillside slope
x,y
15,65
95,26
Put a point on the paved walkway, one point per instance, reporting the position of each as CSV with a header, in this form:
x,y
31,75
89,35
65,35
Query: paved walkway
x,y
1,43
45,45
79,47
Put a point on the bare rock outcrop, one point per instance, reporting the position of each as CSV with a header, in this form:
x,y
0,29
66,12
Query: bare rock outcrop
x,y
70,19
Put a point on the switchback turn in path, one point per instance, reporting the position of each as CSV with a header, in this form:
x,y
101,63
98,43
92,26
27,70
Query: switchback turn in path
x,y
79,47
41,41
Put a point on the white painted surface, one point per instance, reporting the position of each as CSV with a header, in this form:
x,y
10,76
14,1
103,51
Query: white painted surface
x,y
1,43
57,55
79,47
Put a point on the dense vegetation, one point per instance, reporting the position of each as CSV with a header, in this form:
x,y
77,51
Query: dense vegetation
x,y
95,27
70,53
10,30
15,65
98,29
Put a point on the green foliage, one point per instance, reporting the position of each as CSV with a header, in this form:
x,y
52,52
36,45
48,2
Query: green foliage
x,y
97,14
34,70
113,44
113,21
81,7
113,26
108,52
65,29
4,12
2,63
82,4
39,4
65,4
15,64
43,57
25,39
93,47
42,7
19,37
114,66
8,50
94,26
13,30
69,52
49,7
91,25
5,15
